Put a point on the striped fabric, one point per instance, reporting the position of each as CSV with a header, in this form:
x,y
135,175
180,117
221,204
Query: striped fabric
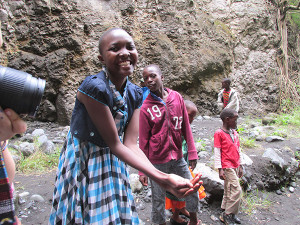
x,y
120,109
92,185
226,97
6,195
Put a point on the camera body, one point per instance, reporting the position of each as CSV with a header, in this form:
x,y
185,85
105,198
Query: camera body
x,y
20,91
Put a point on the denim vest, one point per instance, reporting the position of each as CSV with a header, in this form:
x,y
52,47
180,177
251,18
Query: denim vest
x,y
97,87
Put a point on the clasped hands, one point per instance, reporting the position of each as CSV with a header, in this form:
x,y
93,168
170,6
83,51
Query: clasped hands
x,y
178,186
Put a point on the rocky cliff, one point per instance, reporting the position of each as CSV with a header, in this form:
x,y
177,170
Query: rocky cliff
x,y
196,43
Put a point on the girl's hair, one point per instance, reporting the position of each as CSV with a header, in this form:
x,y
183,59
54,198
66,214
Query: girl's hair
x,y
227,113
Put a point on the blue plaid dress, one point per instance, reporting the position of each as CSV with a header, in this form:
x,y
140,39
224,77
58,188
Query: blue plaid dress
x,y
92,184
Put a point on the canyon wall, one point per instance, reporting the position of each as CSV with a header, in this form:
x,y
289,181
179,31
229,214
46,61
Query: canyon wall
x,y
197,43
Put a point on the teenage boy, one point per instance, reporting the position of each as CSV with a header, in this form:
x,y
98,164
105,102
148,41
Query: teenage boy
x,y
228,97
163,122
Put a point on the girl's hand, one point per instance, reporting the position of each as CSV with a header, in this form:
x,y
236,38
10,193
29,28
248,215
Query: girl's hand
x,y
180,186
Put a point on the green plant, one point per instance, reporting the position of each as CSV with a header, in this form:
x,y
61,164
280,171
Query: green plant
x,y
295,15
39,162
292,118
247,142
297,156
252,201
202,144
240,130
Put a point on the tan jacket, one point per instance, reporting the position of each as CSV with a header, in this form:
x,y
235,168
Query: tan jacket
x,y
233,102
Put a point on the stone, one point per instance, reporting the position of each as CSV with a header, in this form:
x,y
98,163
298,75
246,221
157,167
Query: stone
x,y
274,157
136,185
42,139
203,154
200,118
259,138
260,185
291,189
214,218
28,137
246,160
293,184
211,181
140,206
208,148
268,120
253,134
274,138
37,198
38,132
27,148
48,147
24,194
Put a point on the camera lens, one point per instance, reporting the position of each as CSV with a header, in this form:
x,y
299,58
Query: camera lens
x,y
20,91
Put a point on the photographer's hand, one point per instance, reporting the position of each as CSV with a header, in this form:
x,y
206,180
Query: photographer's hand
x,y
10,124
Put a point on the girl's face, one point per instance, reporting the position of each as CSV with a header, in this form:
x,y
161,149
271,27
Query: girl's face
x,y
152,78
118,53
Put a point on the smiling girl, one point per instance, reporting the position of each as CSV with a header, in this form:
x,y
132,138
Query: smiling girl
x,y
92,185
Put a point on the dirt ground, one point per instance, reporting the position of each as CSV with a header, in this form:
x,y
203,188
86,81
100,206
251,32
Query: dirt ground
x,y
284,209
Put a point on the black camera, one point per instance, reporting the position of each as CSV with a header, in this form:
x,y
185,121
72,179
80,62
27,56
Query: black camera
x,y
20,91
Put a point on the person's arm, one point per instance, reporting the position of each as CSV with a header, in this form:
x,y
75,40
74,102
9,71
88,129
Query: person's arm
x,y
188,136
217,155
10,124
144,139
220,100
103,120
218,164
130,141
9,165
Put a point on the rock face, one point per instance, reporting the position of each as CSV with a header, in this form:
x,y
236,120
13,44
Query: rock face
x,y
196,43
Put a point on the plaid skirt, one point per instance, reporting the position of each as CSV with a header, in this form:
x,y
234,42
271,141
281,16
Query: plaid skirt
x,y
91,187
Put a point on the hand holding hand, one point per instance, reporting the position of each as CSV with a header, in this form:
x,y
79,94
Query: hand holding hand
x,y
182,187
10,124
